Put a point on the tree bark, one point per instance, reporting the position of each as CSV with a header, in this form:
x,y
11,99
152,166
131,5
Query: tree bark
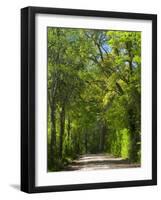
x,y
133,136
62,126
68,128
53,134
102,138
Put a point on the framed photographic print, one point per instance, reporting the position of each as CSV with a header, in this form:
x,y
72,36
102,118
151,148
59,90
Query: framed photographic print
x,y
88,99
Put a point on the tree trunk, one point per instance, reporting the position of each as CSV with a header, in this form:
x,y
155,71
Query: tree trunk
x,y
102,138
53,134
62,126
133,136
86,141
78,145
68,128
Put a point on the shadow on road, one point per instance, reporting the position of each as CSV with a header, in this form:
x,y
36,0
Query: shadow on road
x,y
98,162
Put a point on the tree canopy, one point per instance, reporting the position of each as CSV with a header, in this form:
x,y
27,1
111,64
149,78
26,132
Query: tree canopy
x,y
94,94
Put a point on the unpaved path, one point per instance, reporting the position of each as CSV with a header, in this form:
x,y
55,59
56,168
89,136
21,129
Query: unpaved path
x,y
98,162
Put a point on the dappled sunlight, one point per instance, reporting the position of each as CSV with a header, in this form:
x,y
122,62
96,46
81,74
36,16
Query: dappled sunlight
x,y
99,162
94,99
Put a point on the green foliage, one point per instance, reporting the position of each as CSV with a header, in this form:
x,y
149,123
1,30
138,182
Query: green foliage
x,y
125,143
94,94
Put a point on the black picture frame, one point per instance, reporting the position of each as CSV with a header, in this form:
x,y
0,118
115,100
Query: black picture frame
x,y
28,98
